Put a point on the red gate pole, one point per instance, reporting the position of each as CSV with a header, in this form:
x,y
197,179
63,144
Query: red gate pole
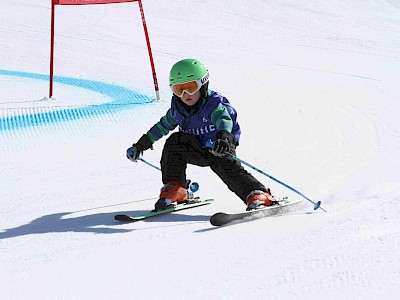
x,y
149,50
51,49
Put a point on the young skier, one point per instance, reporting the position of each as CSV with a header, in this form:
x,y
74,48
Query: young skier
x,y
201,114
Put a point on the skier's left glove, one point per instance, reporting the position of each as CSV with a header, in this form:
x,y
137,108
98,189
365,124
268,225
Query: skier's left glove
x,y
137,149
223,143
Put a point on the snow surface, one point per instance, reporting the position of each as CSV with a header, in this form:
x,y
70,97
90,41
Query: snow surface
x,y
316,86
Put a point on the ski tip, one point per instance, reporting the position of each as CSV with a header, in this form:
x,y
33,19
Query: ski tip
x,y
218,219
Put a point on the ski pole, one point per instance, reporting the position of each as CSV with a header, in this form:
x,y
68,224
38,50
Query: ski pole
x,y
193,186
149,164
317,205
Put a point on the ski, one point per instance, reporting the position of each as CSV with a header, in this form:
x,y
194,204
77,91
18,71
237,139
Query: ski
x,y
189,204
220,219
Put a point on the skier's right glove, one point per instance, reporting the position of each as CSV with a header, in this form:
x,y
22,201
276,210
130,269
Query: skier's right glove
x,y
223,143
137,149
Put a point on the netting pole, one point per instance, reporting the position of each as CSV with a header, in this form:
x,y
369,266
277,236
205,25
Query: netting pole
x,y
52,49
153,70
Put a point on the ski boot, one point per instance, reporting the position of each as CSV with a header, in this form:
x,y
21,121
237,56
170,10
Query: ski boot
x,y
258,199
171,194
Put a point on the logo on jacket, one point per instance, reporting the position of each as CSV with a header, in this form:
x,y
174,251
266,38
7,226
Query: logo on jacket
x,y
205,120
199,130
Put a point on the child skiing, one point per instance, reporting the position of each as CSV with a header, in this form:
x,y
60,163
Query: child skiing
x,y
201,114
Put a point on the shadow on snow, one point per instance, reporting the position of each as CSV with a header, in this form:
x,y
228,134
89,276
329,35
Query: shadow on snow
x,y
101,223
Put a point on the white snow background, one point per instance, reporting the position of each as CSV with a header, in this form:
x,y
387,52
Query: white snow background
x,y
316,86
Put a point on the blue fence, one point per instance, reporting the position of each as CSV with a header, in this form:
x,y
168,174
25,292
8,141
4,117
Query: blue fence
x,y
122,98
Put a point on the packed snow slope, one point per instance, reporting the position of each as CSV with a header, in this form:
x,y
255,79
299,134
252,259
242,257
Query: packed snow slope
x,y
316,87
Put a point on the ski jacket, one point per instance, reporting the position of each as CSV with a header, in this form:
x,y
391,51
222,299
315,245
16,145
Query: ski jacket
x,y
214,114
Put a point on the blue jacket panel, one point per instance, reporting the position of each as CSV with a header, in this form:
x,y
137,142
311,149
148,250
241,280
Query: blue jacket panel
x,y
214,114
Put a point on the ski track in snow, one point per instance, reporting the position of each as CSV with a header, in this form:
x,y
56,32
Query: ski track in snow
x,y
316,90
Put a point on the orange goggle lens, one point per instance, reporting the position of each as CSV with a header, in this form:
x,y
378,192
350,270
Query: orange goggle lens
x,y
190,87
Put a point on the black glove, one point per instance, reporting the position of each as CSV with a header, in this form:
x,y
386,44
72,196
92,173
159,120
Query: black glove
x,y
223,143
137,149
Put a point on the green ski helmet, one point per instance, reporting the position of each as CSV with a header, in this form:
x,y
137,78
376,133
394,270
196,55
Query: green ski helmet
x,y
187,70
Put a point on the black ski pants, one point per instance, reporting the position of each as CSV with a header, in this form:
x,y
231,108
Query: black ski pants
x,y
181,149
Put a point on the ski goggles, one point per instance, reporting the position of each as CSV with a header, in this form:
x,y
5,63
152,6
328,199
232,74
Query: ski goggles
x,y
189,87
